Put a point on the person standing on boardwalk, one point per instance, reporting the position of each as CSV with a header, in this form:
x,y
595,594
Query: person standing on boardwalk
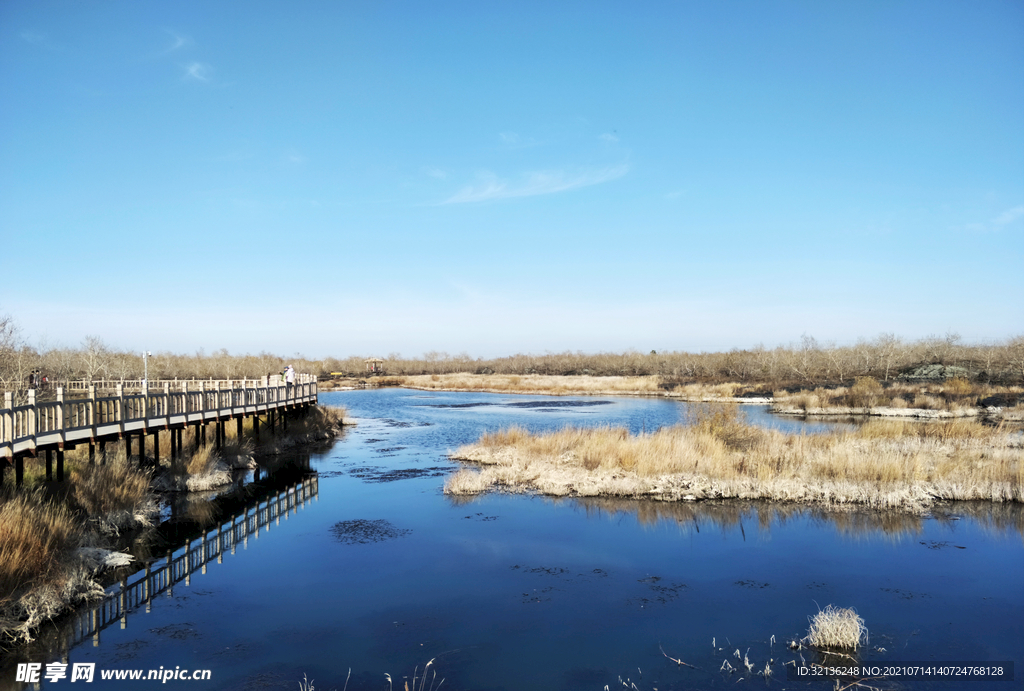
x,y
289,376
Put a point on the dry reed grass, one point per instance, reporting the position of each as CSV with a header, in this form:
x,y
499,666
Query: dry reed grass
x,y
37,536
319,418
884,464
555,385
114,495
837,627
41,573
201,461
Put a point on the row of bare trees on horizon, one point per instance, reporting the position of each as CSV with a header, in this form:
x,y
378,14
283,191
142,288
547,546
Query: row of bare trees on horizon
x,y
809,362
806,363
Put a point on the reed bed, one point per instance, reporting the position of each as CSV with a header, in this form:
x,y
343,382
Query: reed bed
x,y
555,385
883,464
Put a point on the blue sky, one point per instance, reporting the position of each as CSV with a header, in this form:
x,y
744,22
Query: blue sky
x,y
339,178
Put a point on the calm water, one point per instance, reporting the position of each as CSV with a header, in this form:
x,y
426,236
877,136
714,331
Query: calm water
x,y
382,573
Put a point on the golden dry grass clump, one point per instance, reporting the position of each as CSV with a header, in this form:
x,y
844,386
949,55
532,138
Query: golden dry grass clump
x,y
837,627
202,461
114,486
37,538
320,418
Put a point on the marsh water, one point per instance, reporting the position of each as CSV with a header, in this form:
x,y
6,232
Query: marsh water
x,y
381,573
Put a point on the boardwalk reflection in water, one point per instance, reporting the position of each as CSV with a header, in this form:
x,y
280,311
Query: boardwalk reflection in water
x,y
178,565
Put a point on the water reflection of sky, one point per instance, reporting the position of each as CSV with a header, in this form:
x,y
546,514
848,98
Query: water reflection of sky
x,y
521,592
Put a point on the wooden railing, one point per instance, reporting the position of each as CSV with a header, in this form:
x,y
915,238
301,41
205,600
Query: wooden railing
x,y
160,576
67,420
81,386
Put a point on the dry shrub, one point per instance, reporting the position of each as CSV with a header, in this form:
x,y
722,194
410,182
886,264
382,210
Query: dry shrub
x,y
865,393
202,461
928,402
837,627
805,401
37,538
465,482
116,486
958,386
723,422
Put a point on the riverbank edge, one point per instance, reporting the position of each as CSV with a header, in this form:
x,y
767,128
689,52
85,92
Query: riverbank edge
x,y
92,566
917,499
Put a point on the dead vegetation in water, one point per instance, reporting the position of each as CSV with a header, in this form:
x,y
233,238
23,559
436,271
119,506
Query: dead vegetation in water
x,y
837,627
883,464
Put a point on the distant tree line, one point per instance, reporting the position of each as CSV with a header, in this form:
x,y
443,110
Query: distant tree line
x,y
806,363
809,362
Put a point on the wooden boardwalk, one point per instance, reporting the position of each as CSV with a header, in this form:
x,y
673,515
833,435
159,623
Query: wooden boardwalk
x,y
93,413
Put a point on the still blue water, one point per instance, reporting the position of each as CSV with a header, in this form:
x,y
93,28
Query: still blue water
x,y
523,592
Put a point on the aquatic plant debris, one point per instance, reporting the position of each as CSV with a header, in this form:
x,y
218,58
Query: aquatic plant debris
x,y
362,532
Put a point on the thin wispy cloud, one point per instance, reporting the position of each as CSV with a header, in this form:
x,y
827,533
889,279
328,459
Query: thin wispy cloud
x,y
608,137
1008,216
533,184
514,140
177,41
999,222
436,173
38,39
198,71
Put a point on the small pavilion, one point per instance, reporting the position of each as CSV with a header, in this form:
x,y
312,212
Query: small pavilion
x,y
375,365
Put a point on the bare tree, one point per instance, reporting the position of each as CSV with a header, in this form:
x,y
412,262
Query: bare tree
x,y
95,357
887,346
1015,355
